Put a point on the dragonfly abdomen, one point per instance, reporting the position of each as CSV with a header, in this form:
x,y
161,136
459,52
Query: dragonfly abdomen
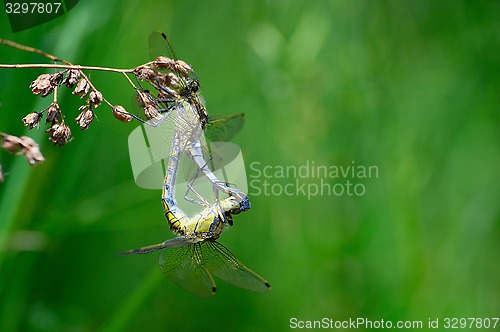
x,y
175,217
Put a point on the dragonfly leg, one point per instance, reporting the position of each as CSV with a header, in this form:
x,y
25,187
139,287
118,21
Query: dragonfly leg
x,y
190,187
202,201
220,210
195,152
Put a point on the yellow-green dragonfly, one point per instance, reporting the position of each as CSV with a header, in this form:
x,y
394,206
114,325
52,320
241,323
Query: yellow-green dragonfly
x,y
192,258
194,255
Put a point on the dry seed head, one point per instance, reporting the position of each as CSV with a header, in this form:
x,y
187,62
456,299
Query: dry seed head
x,y
42,85
151,112
10,146
10,143
71,78
95,98
31,151
183,68
32,120
22,145
168,85
34,156
28,142
82,88
145,99
60,134
179,66
145,73
53,113
121,114
164,63
85,118
170,80
57,78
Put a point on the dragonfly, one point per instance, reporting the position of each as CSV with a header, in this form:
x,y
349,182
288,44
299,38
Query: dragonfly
x,y
191,258
180,110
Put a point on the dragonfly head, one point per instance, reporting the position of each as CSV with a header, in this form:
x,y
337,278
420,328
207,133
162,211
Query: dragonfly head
x,y
193,84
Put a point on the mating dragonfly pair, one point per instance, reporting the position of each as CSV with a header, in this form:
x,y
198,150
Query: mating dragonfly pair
x,y
178,112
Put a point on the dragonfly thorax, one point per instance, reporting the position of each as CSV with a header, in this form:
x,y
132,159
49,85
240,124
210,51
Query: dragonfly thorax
x,y
197,101
207,224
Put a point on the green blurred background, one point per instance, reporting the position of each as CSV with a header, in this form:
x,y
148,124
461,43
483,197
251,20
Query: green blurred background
x,y
411,87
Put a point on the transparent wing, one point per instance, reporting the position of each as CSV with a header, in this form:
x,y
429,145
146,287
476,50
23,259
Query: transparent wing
x,y
176,242
221,128
159,45
184,266
159,134
224,265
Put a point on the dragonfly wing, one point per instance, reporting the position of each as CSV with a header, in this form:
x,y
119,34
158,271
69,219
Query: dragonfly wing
x,y
159,136
223,264
159,45
176,242
184,266
222,128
